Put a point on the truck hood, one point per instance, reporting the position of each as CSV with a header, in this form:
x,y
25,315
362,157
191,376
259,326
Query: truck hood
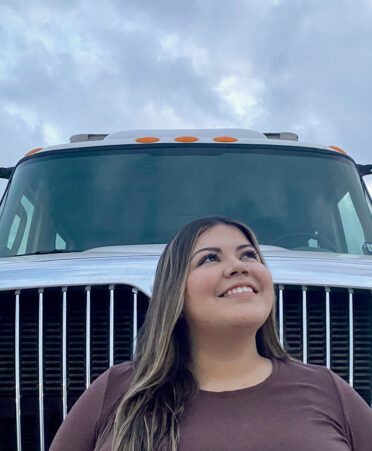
x,y
136,265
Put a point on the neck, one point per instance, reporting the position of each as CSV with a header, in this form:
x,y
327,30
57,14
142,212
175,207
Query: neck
x,y
227,361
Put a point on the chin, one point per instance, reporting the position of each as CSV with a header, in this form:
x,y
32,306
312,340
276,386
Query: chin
x,y
246,322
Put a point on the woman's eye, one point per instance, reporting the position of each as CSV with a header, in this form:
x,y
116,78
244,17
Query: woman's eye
x,y
250,254
208,258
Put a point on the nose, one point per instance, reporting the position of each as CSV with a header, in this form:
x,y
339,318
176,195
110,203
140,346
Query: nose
x,y
236,267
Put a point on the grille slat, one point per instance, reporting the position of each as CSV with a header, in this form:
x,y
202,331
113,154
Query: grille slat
x,y
87,338
64,352
55,341
362,338
17,374
339,335
134,320
328,328
41,369
304,325
112,314
316,330
351,338
281,321
100,331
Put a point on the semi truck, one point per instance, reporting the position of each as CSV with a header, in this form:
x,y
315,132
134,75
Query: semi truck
x,y
82,226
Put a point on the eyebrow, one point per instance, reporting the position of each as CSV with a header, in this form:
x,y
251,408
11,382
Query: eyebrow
x,y
218,250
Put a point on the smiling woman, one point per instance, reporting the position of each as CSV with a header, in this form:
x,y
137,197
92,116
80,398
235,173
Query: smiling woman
x,y
209,372
221,277
229,296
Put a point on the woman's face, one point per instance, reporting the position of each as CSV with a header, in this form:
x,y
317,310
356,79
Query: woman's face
x,y
227,285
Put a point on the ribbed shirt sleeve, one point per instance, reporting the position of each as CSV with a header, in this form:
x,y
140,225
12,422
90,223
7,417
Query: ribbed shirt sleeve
x,y
78,431
357,416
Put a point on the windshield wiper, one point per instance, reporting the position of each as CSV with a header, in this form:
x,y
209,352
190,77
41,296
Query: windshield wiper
x,y
52,251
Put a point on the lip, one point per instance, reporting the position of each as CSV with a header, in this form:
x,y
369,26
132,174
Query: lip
x,y
237,285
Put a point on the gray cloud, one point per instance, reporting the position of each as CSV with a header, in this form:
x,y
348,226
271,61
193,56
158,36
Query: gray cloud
x,y
66,68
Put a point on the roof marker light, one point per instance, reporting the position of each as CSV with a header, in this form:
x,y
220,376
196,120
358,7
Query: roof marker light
x,y
338,149
33,151
186,139
225,139
147,139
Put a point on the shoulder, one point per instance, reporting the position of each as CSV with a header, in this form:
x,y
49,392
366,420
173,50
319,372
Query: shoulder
x,y
118,373
354,413
317,374
327,387
114,383
305,371
295,368
320,391
311,381
79,430
115,379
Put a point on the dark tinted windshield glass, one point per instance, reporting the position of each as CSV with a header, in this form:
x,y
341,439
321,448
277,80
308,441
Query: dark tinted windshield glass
x,y
298,199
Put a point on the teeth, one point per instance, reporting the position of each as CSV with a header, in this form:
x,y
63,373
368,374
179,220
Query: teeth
x,y
239,290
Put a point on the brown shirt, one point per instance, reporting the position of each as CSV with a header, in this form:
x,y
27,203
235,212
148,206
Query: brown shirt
x,y
297,408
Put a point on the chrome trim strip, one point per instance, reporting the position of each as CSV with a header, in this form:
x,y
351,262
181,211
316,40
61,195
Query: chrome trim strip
x,y
351,338
41,372
123,266
111,357
328,328
17,374
304,324
87,338
64,352
281,326
314,269
135,325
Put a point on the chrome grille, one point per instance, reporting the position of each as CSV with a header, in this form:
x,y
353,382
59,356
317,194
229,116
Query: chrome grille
x,y
330,327
55,341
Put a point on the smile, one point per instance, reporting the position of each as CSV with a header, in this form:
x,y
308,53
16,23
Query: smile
x,y
242,289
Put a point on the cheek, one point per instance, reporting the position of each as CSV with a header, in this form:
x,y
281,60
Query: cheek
x,y
269,281
263,275
270,300
200,285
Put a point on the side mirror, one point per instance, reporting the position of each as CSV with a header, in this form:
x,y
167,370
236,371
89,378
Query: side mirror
x,y
5,173
364,169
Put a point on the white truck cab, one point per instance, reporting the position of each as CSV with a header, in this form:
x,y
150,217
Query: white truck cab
x,y
82,226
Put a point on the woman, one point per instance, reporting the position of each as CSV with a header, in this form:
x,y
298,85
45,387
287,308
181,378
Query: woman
x,y
209,373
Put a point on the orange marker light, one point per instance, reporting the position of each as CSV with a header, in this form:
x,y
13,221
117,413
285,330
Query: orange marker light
x,y
33,151
186,139
338,149
225,139
147,139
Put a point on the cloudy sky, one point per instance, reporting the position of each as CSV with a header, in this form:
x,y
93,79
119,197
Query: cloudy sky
x,y
76,66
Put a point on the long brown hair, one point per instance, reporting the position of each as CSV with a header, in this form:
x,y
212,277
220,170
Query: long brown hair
x,y
147,417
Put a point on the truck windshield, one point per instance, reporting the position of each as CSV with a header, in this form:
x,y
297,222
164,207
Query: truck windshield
x,y
296,198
